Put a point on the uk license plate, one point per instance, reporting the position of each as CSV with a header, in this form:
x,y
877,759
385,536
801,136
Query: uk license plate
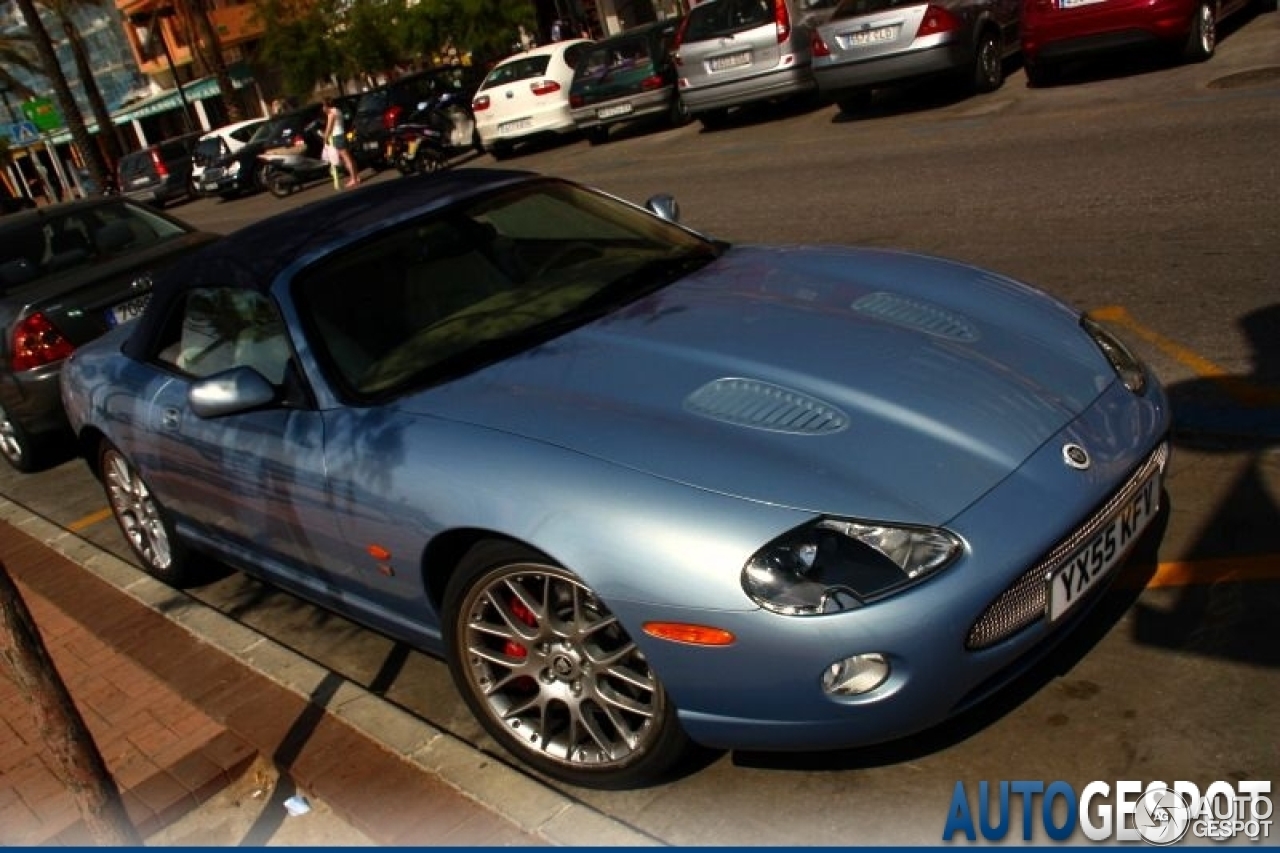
x,y
127,310
1094,560
515,125
733,60
878,35
616,110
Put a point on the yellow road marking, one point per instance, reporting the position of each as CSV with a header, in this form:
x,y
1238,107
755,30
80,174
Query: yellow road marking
x,y
89,520
1238,388
1222,570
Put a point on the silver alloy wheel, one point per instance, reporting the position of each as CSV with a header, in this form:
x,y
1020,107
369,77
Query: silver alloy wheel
x,y
137,513
10,441
553,667
990,72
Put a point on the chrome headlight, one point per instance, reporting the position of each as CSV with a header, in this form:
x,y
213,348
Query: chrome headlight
x,y
1125,363
834,565
234,168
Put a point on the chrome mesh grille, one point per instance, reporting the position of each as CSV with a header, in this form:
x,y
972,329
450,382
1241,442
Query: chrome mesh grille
x,y
1026,600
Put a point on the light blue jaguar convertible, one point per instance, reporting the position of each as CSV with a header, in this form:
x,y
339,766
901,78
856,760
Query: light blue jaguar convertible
x,y
640,488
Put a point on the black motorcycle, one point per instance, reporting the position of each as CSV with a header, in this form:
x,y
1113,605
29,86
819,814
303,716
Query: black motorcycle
x,y
414,148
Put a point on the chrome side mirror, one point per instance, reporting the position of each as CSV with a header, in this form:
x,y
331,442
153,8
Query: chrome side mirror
x,y
664,206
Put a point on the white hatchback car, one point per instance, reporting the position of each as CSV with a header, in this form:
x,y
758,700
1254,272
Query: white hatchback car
x,y
219,143
527,95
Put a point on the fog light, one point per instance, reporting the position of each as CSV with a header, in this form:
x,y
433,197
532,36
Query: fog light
x,y
856,675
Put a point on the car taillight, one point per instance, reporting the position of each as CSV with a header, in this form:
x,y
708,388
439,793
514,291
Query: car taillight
x,y
391,117
782,18
653,81
37,342
817,46
481,102
684,25
161,169
544,87
937,20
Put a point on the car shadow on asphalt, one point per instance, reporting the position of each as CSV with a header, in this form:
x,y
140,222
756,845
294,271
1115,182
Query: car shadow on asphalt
x,y
1057,662
1228,604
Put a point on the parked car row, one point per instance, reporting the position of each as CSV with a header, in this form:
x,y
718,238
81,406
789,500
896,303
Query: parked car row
x,y
729,53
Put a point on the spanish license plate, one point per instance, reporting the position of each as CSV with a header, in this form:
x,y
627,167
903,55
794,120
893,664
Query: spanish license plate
x,y
371,145
1086,568
1071,4
515,125
616,110
210,186
733,60
878,35
128,310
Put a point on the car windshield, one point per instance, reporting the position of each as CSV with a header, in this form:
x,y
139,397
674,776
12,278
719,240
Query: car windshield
x,y
485,280
35,248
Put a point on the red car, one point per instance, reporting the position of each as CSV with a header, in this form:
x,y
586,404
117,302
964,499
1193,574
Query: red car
x,y
1056,30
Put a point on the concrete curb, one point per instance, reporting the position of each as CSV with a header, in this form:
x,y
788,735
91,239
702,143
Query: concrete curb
x,y
536,808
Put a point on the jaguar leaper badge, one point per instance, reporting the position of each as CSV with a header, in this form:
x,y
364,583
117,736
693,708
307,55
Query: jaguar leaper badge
x,y
1075,456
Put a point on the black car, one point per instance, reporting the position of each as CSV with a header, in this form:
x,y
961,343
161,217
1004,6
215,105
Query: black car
x,y
447,89
242,171
159,173
627,77
68,273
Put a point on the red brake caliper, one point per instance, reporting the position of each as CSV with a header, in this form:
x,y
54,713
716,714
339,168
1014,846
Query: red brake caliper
x,y
514,649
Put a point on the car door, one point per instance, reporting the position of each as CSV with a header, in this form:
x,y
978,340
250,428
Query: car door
x,y
251,483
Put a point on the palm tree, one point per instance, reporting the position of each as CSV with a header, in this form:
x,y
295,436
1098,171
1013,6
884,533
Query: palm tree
x,y
107,132
15,52
62,91
209,48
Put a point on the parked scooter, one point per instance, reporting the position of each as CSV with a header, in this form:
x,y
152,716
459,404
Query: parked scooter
x,y
287,170
416,147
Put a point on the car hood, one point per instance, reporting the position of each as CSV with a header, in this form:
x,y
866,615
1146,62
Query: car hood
x,y
856,382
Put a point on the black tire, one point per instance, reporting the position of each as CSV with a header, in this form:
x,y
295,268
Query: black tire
x,y
262,175
1040,73
988,64
143,521
713,119
281,185
550,667
429,160
598,135
678,113
1202,40
17,446
852,103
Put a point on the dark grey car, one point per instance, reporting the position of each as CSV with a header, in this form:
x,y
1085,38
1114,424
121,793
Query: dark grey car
x,y
68,273
875,43
159,173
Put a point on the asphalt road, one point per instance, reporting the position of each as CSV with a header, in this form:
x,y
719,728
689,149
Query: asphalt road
x,y
1141,192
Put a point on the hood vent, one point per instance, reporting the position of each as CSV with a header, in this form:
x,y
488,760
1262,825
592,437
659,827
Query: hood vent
x,y
761,405
921,316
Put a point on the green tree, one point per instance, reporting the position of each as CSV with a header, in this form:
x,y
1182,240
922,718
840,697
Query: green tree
x,y
366,39
297,40
62,92
208,47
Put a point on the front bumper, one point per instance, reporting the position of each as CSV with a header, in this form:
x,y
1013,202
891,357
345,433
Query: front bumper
x,y
764,692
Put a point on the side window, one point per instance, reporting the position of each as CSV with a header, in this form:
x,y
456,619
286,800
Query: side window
x,y
218,328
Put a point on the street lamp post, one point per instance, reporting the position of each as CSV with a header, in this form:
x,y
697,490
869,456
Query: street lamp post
x,y
152,34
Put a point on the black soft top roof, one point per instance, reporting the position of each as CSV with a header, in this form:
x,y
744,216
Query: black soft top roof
x,y
255,255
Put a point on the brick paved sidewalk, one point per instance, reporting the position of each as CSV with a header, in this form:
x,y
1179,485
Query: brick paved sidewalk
x,y
177,720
